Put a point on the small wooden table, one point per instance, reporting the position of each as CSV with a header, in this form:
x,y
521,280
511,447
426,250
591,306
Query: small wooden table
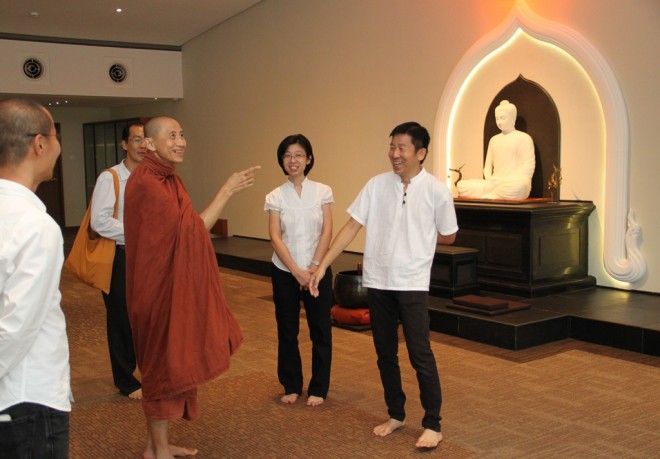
x,y
454,271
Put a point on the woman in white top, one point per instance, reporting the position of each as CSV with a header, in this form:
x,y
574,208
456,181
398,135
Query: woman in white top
x,y
300,227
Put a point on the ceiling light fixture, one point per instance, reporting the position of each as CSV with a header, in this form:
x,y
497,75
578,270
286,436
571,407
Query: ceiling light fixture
x,y
118,10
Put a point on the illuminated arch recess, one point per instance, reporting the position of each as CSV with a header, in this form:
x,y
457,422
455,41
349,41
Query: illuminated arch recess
x,y
621,255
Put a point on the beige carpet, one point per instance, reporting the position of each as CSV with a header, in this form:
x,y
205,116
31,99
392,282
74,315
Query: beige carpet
x,y
242,418
566,399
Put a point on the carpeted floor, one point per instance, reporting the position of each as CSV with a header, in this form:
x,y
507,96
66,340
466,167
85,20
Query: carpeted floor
x,y
565,399
243,418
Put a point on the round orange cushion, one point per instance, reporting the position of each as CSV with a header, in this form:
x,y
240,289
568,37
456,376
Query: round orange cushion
x,y
350,316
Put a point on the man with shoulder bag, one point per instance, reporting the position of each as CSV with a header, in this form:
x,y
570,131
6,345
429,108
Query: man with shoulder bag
x,y
103,222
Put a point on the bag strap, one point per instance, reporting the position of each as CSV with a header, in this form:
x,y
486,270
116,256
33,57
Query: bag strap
x,y
87,218
115,178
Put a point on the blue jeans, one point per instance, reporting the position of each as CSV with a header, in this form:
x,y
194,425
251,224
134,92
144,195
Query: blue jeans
x,y
386,309
34,432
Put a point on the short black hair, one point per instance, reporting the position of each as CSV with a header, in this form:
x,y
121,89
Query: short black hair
x,y
418,135
293,140
126,132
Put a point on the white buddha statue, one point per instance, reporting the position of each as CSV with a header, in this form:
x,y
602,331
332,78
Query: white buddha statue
x,y
509,162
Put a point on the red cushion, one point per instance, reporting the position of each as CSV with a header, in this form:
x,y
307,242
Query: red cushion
x,y
350,316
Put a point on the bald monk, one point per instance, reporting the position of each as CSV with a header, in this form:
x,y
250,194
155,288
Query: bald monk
x,y
183,331
509,165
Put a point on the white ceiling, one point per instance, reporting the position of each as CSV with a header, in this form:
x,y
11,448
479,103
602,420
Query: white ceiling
x,y
155,22
149,23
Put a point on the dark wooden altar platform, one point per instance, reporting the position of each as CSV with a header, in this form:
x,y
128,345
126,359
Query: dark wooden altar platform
x,y
616,318
530,249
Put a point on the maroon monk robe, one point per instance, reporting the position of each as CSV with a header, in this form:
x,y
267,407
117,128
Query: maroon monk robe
x,y
183,331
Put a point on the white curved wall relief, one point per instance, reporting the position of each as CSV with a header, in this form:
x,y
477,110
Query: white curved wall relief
x,y
622,259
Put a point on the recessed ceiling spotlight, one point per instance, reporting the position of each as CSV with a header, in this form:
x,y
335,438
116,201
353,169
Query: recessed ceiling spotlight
x,y
34,14
118,10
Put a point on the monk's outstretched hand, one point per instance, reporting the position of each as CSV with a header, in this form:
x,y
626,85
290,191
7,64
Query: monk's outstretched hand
x,y
236,182
241,180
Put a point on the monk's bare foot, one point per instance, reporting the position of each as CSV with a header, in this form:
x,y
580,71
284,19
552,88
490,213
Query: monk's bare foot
x,y
174,451
429,439
136,395
313,400
387,427
289,398
179,451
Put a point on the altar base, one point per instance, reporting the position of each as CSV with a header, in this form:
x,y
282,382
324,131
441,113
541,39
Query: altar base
x,y
528,249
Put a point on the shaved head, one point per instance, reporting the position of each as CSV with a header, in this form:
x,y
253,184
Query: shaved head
x,y
18,118
155,125
165,138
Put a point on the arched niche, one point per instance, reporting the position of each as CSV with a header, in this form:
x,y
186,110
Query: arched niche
x,y
599,169
537,116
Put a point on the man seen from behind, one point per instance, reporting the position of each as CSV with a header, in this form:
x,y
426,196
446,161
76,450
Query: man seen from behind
x,y
35,390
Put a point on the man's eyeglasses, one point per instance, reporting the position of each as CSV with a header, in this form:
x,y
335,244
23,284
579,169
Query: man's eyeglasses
x,y
58,136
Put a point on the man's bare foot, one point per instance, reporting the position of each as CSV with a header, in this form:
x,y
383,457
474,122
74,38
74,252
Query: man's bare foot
x,y
429,439
136,394
313,400
174,451
289,398
387,427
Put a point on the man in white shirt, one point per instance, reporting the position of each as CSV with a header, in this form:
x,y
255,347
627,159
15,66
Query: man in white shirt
x,y
406,213
35,390
120,340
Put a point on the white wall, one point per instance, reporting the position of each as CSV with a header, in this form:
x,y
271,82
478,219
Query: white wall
x,y
73,157
344,72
